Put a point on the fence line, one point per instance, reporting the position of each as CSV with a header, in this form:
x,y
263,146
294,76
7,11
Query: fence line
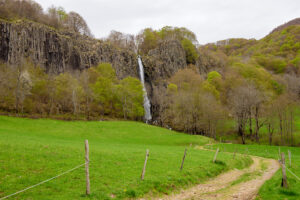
x,y
286,168
40,183
293,174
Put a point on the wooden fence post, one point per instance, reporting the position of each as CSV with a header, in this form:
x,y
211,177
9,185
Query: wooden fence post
x,y
87,173
290,158
183,159
279,154
145,164
284,179
216,154
234,153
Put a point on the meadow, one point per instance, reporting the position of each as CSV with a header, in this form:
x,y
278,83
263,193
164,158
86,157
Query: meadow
x,y
33,150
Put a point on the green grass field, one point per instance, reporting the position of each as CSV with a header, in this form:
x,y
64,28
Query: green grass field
x,y
34,150
272,188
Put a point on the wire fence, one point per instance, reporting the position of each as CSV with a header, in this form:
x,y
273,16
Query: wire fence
x,y
42,182
293,174
246,152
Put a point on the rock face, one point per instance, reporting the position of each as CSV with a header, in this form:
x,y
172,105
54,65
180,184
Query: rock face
x,y
59,51
160,64
165,60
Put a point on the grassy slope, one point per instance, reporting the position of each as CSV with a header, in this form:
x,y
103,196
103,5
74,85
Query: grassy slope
x,y
34,150
272,189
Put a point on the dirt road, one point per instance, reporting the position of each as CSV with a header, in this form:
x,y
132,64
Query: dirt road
x,y
235,184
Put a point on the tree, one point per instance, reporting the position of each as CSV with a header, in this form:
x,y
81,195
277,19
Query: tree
x,y
177,33
130,94
67,92
121,40
104,88
284,107
39,98
241,102
7,87
147,40
88,95
215,78
190,51
22,87
77,24
190,104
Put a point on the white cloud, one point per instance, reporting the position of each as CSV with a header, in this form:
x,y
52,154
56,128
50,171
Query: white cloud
x,y
210,20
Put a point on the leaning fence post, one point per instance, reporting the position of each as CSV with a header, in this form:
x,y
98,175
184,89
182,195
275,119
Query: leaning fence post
x,y
216,154
290,158
284,179
183,159
145,164
87,173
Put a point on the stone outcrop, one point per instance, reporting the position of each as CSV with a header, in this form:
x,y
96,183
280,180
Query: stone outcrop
x,y
60,51
165,60
159,65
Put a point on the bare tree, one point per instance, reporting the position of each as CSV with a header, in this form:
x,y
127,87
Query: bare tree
x,y
242,99
284,106
77,24
122,40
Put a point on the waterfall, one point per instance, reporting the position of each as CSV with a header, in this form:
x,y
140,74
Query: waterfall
x,y
147,105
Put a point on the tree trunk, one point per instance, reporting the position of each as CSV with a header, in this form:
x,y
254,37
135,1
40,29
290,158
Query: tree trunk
x,y
250,124
241,133
291,127
257,126
270,134
281,129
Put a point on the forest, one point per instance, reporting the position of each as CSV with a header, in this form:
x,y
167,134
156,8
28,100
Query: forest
x,y
251,86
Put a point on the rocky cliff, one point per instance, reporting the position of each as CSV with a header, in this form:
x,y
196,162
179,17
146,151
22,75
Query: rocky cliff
x,y
159,65
60,51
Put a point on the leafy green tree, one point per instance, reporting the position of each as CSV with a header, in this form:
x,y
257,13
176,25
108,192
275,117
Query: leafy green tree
x,y
177,33
104,88
130,94
148,40
39,98
212,76
190,51
67,92
215,79
210,88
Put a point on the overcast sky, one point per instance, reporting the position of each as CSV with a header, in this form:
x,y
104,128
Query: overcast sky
x,y
210,20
